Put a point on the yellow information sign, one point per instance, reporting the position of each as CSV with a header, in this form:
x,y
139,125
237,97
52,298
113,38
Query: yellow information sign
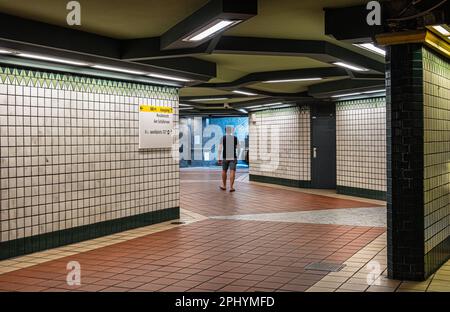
x,y
155,109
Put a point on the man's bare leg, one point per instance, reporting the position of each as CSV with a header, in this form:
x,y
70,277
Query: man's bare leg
x,y
232,176
224,180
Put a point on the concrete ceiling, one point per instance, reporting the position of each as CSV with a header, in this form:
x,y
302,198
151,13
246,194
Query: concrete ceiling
x,y
131,19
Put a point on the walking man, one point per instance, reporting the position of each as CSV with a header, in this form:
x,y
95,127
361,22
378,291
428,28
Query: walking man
x,y
227,157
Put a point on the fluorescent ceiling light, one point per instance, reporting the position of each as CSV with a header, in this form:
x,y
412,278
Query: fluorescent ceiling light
x,y
352,67
243,111
442,30
292,80
182,104
51,59
375,91
184,108
264,105
272,104
347,94
210,30
243,92
2,51
371,47
168,77
272,107
209,99
118,69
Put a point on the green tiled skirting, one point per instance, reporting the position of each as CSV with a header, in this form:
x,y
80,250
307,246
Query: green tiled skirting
x,y
280,181
36,243
359,192
437,257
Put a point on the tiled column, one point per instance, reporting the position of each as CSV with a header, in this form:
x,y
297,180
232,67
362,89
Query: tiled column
x,y
418,154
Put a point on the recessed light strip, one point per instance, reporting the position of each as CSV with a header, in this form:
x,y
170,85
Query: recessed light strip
x,y
118,69
2,51
244,92
292,80
347,94
169,77
51,59
209,99
375,91
211,30
349,66
371,47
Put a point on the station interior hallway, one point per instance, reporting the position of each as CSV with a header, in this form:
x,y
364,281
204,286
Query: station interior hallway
x,y
260,238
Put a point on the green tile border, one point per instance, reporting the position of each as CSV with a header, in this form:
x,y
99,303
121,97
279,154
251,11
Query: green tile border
x,y
280,181
437,256
360,192
27,245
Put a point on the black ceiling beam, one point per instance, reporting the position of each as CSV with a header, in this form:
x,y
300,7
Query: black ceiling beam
x,y
37,37
349,24
317,49
211,12
149,48
17,29
325,90
280,74
188,65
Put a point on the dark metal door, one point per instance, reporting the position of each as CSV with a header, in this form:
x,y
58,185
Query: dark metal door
x,y
323,146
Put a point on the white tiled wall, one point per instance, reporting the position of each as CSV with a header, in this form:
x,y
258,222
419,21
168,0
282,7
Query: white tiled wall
x,y
361,143
287,155
436,149
69,157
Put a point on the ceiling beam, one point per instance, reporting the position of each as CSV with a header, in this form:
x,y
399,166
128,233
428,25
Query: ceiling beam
x,y
275,75
20,30
207,16
316,49
327,89
188,65
149,48
349,24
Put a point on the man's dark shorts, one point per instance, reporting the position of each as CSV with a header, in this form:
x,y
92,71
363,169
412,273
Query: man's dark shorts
x,y
229,164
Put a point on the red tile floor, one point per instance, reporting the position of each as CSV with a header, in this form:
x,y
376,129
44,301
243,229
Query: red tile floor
x,y
213,255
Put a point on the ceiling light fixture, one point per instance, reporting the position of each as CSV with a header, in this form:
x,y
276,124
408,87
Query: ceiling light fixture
x,y
210,30
371,47
243,92
209,99
182,104
168,77
118,69
441,30
347,94
293,80
272,107
243,111
375,91
2,51
51,59
349,66
184,108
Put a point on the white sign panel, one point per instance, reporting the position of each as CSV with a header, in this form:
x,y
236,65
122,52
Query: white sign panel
x,y
155,126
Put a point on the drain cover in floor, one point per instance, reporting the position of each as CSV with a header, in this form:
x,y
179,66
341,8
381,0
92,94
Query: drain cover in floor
x,y
324,266
177,222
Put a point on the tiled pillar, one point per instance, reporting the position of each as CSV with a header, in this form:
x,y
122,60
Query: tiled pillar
x,y
418,156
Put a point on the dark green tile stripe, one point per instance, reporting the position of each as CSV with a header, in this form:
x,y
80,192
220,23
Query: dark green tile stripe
x,y
360,192
437,256
36,243
280,181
